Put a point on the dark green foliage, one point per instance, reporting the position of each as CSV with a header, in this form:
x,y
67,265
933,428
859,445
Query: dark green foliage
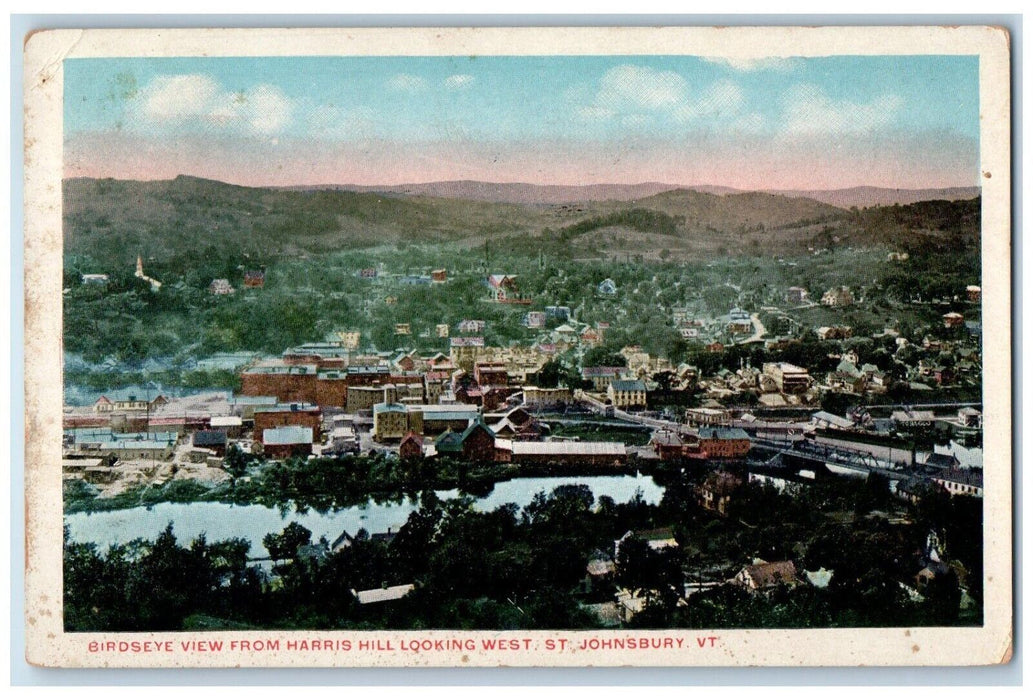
x,y
285,545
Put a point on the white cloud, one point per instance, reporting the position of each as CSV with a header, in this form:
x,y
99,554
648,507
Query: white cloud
x,y
459,82
744,64
406,82
722,100
637,87
198,101
178,97
807,109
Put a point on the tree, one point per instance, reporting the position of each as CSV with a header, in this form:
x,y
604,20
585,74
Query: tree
x,y
285,545
236,461
602,356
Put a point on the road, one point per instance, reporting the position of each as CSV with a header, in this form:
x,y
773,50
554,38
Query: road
x,y
601,407
759,331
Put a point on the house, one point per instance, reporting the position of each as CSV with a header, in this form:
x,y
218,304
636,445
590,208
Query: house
x,y
789,379
127,401
565,333
438,276
672,446
688,330
502,288
516,423
534,319
970,417
254,279
437,419
342,542
913,419
561,313
837,297
715,347
368,273
287,382
538,397
627,393
405,361
607,288
953,320
601,377
465,350
591,337
973,293
390,421
471,326
941,461
231,425
657,539
442,330
914,489
796,295
961,482
824,419
565,454
600,568
490,374
214,440
287,441
715,493
478,442
449,444
156,447
739,321
350,339
707,416
410,447
724,443
296,414
764,577
98,279
834,332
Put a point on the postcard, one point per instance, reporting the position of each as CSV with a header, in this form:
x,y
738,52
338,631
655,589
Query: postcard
x,y
518,347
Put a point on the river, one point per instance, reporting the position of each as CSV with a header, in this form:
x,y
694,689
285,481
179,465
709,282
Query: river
x,y
220,521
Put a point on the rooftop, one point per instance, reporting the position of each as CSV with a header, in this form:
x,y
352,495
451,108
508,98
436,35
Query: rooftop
x,y
287,435
719,433
564,448
388,408
288,408
380,595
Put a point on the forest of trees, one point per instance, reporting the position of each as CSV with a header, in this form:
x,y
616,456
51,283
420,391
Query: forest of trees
x,y
524,568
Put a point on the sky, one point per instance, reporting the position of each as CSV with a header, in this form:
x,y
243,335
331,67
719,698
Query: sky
x,y
774,123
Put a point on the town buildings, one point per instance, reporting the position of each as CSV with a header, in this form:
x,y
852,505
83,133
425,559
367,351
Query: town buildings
x,y
627,393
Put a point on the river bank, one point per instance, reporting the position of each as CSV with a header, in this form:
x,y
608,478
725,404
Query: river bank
x,y
222,520
327,484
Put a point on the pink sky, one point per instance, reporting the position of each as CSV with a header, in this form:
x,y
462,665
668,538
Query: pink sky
x,y
748,162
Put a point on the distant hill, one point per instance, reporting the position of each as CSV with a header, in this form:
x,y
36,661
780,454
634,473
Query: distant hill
x,y
175,222
738,211
882,196
510,192
189,216
526,193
